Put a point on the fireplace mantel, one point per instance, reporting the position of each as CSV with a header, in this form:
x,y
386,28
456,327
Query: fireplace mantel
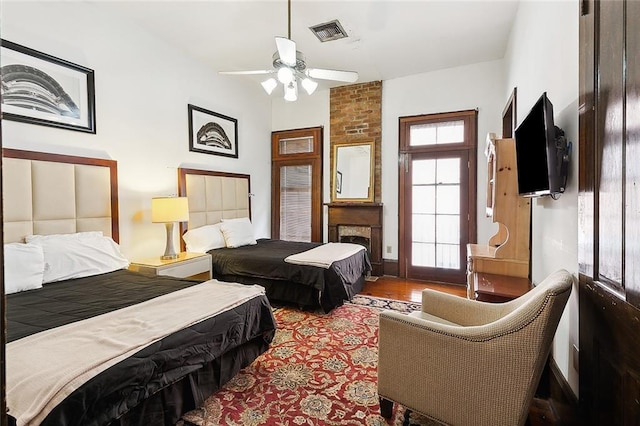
x,y
360,215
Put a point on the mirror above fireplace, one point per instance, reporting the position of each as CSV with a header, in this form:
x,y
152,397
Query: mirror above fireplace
x,y
352,172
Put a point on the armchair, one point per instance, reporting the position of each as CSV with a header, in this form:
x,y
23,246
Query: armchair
x,y
464,362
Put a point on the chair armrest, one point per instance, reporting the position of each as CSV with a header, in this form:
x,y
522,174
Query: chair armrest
x,y
461,310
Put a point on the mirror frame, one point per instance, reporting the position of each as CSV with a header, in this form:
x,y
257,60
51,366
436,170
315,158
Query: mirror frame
x,y
334,172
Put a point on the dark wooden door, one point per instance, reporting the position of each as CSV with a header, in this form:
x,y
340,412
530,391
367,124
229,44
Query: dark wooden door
x,y
296,184
609,212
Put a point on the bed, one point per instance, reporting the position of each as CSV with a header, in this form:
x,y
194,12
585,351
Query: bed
x,y
215,198
64,366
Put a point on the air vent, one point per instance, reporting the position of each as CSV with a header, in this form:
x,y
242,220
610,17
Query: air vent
x,y
329,31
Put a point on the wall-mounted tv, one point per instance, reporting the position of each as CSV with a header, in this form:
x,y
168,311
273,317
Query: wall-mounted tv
x,y
542,154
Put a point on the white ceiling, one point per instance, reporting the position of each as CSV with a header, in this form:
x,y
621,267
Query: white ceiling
x,y
387,38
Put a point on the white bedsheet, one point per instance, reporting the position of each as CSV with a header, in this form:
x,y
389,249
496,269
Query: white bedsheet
x,y
44,368
323,256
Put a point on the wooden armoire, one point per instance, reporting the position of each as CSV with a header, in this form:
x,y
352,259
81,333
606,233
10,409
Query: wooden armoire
x,y
507,251
609,212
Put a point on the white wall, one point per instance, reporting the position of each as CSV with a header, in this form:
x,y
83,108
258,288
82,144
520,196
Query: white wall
x,y
542,55
478,86
143,86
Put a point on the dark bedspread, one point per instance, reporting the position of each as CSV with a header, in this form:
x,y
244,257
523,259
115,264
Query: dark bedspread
x,y
264,264
206,354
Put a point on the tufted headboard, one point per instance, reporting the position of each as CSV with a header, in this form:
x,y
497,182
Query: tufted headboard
x,y
213,196
58,194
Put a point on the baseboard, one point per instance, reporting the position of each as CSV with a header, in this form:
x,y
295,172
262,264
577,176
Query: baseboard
x,y
554,402
390,267
562,398
559,383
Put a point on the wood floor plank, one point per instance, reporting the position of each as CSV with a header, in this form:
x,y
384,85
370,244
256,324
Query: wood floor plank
x,y
407,290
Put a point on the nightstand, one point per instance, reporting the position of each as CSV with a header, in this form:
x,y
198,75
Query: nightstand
x,y
187,265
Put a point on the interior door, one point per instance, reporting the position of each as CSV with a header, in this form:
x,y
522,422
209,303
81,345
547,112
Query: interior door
x,y
609,213
437,195
296,181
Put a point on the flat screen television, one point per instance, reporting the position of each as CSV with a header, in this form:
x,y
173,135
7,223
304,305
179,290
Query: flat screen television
x,y
541,152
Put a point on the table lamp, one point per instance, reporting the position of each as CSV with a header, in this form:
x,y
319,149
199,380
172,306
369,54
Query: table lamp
x,y
169,210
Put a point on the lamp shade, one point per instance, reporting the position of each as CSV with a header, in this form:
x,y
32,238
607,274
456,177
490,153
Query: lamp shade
x,y
169,209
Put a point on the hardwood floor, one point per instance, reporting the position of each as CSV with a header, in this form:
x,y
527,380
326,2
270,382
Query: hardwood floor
x,y
407,290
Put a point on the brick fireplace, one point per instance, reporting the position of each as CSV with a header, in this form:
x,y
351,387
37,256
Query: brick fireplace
x,y
359,223
356,116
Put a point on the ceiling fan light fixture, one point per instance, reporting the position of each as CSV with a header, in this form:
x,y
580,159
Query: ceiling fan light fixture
x,y
285,75
309,85
290,67
291,91
269,85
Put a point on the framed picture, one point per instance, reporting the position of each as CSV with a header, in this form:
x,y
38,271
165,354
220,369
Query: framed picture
x,y
338,182
212,133
41,89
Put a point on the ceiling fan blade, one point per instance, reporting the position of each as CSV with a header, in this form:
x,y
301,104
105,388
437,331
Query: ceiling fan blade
x,y
286,50
247,72
346,76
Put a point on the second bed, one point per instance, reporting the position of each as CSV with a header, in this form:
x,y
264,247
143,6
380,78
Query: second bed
x,y
215,196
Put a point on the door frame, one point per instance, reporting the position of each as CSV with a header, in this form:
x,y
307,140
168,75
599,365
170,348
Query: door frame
x,y
313,158
470,118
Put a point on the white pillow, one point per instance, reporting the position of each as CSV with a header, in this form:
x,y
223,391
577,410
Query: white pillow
x,y
23,267
204,238
83,254
238,232
75,236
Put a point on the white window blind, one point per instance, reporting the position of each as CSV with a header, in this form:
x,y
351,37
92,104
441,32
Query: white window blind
x,y
295,203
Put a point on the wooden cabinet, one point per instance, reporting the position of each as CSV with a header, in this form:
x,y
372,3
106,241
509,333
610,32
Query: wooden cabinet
x,y
507,251
499,288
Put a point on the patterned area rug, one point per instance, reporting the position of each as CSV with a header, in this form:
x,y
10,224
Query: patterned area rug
x,y
321,369
381,303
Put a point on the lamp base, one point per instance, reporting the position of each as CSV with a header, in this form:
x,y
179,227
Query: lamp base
x,y
169,252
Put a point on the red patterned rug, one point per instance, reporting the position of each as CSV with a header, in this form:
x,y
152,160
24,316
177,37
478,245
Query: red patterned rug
x,y
321,369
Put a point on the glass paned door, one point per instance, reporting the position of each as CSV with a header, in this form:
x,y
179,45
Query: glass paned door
x,y
437,195
437,217
436,213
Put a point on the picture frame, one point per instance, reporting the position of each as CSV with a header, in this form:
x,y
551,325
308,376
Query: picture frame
x,y
38,88
212,133
338,182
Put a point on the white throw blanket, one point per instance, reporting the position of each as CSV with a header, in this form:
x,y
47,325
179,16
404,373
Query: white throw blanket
x,y
44,368
323,256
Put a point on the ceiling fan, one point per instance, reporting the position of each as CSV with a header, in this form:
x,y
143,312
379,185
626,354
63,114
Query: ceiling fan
x,y
290,66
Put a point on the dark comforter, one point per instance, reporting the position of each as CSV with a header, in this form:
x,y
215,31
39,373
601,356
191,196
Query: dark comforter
x,y
307,286
161,381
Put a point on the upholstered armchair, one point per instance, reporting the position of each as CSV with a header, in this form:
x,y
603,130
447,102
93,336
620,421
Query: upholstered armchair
x,y
464,362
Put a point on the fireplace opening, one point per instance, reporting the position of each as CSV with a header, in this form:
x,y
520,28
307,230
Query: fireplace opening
x,y
355,239
356,235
